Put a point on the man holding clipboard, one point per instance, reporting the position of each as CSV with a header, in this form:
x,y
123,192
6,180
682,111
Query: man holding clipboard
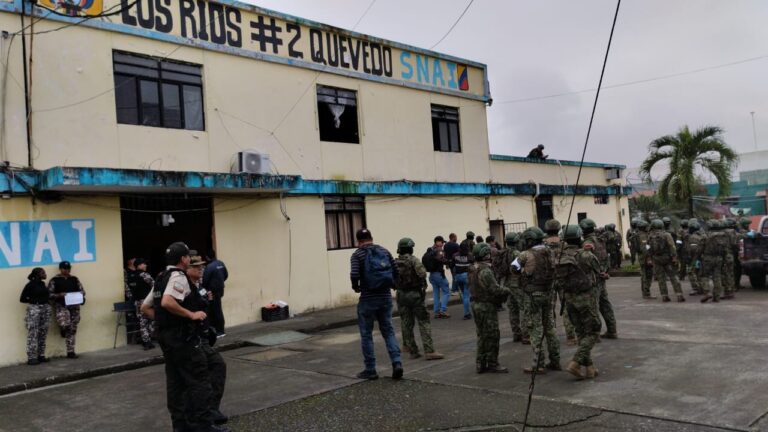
x,y
68,294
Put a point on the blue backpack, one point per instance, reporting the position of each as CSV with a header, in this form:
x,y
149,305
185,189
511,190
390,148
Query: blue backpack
x,y
378,274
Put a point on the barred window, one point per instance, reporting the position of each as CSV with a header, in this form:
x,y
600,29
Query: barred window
x,y
601,199
445,129
160,93
344,215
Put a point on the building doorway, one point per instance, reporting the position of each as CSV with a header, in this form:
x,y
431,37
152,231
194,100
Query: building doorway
x,y
497,231
543,210
151,222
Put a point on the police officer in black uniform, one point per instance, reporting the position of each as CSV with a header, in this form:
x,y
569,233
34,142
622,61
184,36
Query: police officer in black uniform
x,y
193,384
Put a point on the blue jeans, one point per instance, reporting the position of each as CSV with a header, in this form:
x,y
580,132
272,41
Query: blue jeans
x,y
368,311
439,286
461,284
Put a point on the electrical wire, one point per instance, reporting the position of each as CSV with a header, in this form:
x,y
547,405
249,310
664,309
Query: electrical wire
x,y
364,14
570,211
454,24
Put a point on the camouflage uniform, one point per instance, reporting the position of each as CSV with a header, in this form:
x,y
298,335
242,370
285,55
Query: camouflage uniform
x,y
516,301
410,285
604,305
644,259
581,305
536,280
712,263
146,324
553,242
37,320
631,243
693,249
613,247
728,262
682,253
67,317
664,256
486,295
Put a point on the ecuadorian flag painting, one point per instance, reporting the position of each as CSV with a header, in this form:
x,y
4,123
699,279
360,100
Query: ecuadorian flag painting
x,y
461,71
74,7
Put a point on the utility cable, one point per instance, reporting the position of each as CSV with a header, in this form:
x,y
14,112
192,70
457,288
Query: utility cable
x,y
454,24
570,211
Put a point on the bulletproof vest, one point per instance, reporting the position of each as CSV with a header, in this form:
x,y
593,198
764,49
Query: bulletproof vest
x,y
138,286
65,285
693,245
717,244
407,278
733,240
479,292
570,276
510,278
541,277
659,244
165,320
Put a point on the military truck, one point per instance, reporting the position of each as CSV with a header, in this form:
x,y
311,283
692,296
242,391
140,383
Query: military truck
x,y
753,252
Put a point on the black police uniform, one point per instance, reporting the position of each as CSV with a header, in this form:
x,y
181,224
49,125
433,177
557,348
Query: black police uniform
x,y
195,373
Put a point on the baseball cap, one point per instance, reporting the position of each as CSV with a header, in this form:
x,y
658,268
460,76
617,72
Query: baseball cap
x,y
175,251
65,265
139,261
363,234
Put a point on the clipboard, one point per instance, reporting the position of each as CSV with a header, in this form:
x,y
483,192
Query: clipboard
x,y
74,298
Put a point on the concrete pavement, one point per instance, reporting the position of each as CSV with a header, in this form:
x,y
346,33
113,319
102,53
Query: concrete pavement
x,y
676,367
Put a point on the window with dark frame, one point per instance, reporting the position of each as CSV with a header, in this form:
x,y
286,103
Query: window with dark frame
x,y
601,199
159,93
344,215
337,115
445,129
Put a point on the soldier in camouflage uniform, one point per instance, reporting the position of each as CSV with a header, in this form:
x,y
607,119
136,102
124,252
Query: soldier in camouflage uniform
x,y
411,285
36,296
486,295
613,245
68,317
729,258
682,249
469,241
140,283
631,232
644,258
511,280
552,240
694,244
712,262
594,244
536,268
664,256
577,272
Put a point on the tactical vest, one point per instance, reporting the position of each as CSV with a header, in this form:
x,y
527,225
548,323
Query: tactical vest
x,y
659,244
694,245
164,320
479,292
137,285
65,285
541,277
600,250
407,278
717,245
570,276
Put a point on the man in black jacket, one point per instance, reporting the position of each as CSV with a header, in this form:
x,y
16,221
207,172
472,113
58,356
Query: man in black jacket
x,y
213,280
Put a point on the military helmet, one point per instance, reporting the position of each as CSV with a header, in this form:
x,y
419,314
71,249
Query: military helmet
x,y
694,226
552,225
657,224
405,242
729,223
666,221
481,250
532,233
470,235
684,223
633,223
714,224
642,224
745,223
610,227
571,232
511,238
587,224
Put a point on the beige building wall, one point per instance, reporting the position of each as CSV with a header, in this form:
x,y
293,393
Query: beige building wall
x,y
102,279
74,119
547,173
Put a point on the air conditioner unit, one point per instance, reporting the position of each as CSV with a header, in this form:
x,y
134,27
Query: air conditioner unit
x,y
253,162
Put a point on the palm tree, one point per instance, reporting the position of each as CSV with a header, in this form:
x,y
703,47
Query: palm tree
x,y
688,155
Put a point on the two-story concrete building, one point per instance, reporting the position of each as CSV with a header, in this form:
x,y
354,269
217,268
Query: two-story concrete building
x,y
131,125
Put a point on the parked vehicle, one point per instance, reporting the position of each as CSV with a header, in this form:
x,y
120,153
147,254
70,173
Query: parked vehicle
x,y
753,252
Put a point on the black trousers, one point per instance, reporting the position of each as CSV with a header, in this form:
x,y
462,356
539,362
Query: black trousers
x,y
195,377
216,315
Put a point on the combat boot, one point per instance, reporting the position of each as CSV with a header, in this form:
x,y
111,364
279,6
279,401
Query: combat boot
x,y
496,368
397,370
517,338
591,372
665,299
574,369
433,356
607,335
479,367
415,355
538,371
716,299
526,341
571,341
706,298
728,296
649,297
554,366
680,298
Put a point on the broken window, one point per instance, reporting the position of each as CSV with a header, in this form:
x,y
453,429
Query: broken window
x,y
160,93
445,129
344,215
337,114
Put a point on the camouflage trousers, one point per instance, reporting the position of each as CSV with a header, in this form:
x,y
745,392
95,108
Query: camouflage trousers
x,y
632,255
570,331
693,278
541,325
408,316
146,324
487,325
37,320
68,317
712,275
664,270
517,314
646,279
615,257
605,307
728,277
581,309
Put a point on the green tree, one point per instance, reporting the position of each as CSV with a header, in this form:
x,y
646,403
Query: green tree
x,y
689,154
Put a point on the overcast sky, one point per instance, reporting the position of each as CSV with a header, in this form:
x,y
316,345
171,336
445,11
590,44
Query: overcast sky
x,y
538,48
